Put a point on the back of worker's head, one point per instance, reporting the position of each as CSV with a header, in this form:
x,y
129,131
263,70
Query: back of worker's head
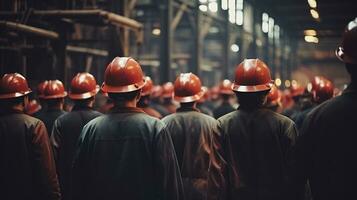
x,y
347,51
123,80
252,83
14,91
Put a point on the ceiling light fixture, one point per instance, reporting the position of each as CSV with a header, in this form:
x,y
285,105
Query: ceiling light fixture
x,y
314,13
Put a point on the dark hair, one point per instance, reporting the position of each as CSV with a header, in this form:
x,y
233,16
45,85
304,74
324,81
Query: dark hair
x,y
127,96
188,104
8,103
83,102
54,102
251,100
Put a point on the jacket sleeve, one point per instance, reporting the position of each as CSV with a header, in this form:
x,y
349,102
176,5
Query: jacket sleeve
x,y
167,172
44,163
56,141
80,166
217,182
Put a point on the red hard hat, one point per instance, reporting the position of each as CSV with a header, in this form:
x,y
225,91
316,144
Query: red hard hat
x,y
147,89
41,88
168,90
187,88
157,91
252,75
83,86
123,75
347,52
32,107
274,96
296,90
206,94
225,87
13,85
323,90
54,89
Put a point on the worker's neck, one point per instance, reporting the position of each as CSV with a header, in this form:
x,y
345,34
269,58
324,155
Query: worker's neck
x,y
126,104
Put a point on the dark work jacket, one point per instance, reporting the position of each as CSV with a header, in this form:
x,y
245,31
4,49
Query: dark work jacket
x,y
205,110
49,116
64,137
195,136
223,109
327,149
257,147
126,154
299,117
27,168
159,108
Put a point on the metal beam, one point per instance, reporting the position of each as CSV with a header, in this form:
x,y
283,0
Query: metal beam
x,y
30,29
178,16
85,50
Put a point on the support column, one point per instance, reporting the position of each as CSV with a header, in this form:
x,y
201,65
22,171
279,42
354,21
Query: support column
x,y
226,46
198,42
166,38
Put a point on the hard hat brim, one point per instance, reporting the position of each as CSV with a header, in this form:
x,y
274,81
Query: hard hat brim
x,y
122,89
85,95
188,99
57,96
14,95
252,88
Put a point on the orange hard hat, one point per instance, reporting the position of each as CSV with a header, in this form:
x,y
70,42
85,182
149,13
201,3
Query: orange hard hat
x,y
274,96
32,107
187,88
347,51
13,85
53,90
123,75
252,75
41,88
83,86
168,90
148,88
225,87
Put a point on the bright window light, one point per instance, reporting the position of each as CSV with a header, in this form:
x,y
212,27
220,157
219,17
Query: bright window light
x,y
203,8
203,1
232,11
224,4
235,48
239,4
213,6
278,82
314,13
312,3
310,32
156,31
271,28
276,31
311,39
265,24
287,83
239,17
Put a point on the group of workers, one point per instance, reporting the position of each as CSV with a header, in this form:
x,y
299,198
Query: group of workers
x,y
179,140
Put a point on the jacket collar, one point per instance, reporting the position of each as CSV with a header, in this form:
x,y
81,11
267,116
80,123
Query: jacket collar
x,y
187,109
76,108
116,109
7,111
